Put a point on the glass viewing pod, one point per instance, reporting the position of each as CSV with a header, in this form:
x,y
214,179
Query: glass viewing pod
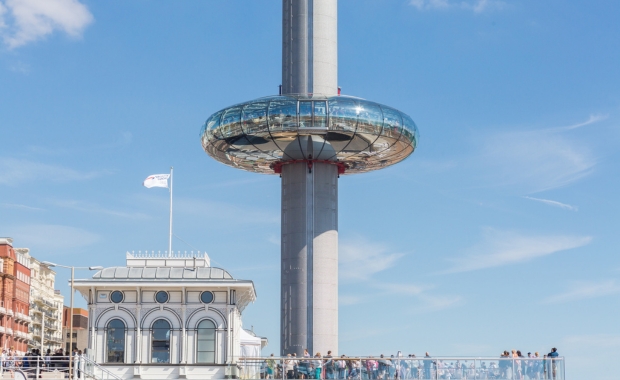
x,y
358,134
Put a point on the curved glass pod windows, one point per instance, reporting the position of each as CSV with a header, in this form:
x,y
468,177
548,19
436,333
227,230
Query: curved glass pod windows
x,y
116,296
160,342
205,342
364,135
115,341
282,115
161,296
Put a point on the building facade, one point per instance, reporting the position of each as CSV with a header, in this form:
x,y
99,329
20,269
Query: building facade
x,y
14,297
166,317
80,329
46,306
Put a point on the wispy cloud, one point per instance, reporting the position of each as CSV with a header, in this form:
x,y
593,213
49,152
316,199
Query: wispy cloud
x,y
96,209
534,160
553,203
52,238
586,290
359,258
424,300
595,118
477,6
20,206
501,248
24,21
15,171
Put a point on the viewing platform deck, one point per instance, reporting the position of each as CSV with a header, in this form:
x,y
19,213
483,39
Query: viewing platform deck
x,y
396,368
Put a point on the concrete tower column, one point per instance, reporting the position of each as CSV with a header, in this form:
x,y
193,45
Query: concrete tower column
x,y
309,281
310,47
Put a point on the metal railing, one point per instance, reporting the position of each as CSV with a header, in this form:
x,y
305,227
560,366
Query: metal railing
x,y
402,368
56,367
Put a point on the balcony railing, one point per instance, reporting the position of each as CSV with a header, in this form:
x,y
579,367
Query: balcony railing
x,y
402,368
57,367
2,329
8,331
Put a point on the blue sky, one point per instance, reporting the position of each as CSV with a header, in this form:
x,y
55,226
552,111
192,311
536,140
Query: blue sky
x,y
499,232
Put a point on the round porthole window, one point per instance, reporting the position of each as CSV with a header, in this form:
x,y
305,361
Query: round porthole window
x,y
161,296
206,297
116,296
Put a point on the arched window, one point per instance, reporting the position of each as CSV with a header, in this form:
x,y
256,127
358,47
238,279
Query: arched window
x,y
116,341
205,344
160,352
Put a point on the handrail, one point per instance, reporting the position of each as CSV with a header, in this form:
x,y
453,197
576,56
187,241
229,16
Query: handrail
x,y
37,367
91,364
402,367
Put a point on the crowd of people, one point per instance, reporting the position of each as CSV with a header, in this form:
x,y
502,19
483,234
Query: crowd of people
x,y
510,365
34,360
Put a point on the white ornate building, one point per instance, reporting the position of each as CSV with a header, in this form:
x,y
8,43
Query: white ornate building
x,y
46,305
166,317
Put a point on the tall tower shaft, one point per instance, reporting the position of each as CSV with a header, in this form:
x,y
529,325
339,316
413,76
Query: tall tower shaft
x,y
309,134
309,246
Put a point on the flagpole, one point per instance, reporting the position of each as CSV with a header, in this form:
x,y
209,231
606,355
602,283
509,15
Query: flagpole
x,y
170,238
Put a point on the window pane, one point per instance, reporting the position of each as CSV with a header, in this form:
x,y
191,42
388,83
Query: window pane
x,y
205,357
230,123
305,114
254,117
282,115
206,324
116,341
343,114
160,342
320,114
392,122
205,344
206,297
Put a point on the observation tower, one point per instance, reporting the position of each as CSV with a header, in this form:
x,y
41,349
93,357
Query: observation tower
x,y
309,135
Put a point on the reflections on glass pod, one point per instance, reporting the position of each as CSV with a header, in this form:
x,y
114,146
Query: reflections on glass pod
x,y
362,134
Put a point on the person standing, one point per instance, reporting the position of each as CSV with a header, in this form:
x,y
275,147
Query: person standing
x,y
553,354
271,363
318,365
289,366
329,366
427,366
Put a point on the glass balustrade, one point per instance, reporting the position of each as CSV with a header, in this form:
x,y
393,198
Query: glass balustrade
x,y
397,368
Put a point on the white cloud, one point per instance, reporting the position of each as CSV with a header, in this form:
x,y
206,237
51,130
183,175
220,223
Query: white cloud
x,y
24,21
476,6
15,171
534,160
553,203
586,290
51,237
595,118
501,248
360,258
20,206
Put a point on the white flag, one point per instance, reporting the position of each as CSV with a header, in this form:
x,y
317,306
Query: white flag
x,y
156,180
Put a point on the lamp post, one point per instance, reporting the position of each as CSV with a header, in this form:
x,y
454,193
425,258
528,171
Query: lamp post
x,y
51,265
